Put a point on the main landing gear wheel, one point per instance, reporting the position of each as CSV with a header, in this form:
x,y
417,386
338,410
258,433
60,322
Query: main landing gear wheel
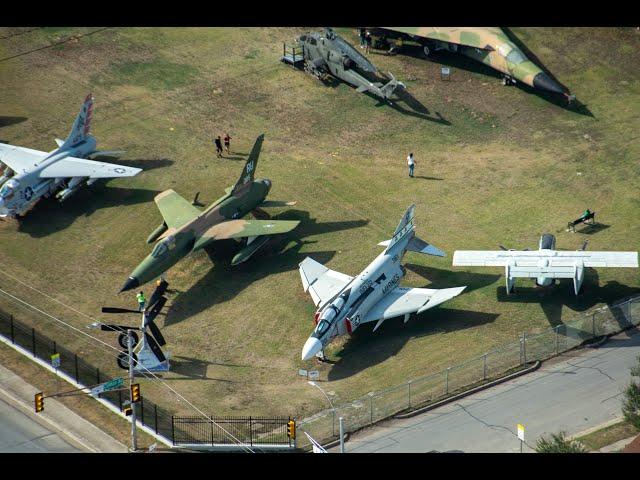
x,y
122,339
426,50
123,360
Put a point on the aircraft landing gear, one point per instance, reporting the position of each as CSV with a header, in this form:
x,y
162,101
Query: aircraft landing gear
x,y
426,51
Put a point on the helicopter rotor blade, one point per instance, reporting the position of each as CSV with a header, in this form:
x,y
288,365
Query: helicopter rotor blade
x,y
118,310
155,331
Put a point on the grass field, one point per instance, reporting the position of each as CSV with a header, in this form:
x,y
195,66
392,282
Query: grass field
x,y
494,165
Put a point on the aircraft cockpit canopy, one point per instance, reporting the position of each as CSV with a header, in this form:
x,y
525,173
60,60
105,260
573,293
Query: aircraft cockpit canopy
x,y
163,247
9,188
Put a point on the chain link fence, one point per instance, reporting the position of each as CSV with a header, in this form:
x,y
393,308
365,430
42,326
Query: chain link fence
x,y
422,391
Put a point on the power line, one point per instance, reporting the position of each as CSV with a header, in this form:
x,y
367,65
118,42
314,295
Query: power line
x,y
147,373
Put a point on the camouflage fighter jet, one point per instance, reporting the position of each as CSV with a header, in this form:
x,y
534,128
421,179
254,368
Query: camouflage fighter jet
x,y
489,45
344,302
186,229
326,53
30,175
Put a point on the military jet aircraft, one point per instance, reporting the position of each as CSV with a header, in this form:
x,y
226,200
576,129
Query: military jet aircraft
x,y
346,302
30,175
545,264
186,229
489,45
326,53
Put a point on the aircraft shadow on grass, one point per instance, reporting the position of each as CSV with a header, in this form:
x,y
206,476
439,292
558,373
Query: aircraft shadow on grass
x,y
49,216
195,368
402,101
592,229
461,62
6,121
366,348
439,278
224,281
144,164
554,297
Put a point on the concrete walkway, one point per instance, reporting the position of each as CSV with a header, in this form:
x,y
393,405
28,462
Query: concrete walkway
x,y
572,393
56,429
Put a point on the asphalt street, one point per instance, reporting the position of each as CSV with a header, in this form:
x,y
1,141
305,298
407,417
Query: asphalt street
x,y
20,433
577,391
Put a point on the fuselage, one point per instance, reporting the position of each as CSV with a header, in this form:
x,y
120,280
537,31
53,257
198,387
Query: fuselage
x,y
546,245
21,191
343,313
176,243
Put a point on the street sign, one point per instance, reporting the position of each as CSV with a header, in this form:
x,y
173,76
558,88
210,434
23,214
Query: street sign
x,y
521,432
314,375
302,372
55,360
105,387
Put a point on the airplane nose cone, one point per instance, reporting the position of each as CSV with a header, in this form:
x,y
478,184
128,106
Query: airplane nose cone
x,y
311,347
132,282
545,82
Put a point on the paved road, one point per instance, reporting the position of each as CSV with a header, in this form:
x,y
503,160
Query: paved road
x,y
576,392
20,433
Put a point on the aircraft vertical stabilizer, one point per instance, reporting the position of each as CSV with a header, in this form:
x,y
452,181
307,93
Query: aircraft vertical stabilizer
x,y
82,124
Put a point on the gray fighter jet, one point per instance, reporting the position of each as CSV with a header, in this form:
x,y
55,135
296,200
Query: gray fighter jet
x,y
326,53
30,175
346,302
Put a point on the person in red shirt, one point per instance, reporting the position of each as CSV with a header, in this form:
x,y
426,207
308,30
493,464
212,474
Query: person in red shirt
x,y
227,142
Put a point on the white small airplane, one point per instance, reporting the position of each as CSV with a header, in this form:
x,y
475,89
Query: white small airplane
x,y
545,264
29,175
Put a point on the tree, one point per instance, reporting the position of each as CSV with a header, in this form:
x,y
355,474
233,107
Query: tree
x,y
559,443
631,402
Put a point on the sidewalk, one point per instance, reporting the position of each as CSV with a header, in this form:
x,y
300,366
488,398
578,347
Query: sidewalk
x,y
78,431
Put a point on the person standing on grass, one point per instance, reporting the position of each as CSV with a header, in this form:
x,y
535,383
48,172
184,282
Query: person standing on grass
x,y
412,163
362,33
227,142
218,143
141,300
367,38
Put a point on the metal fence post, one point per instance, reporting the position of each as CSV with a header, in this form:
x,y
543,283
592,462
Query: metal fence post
x,y
33,340
446,381
55,349
76,364
333,423
98,376
484,367
173,432
409,385
155,410
13,339
371,407
250,431
142,410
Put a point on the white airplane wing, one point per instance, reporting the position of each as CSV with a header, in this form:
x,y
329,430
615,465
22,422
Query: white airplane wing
x,y
402,300
80,167
20,159
545,261
321,282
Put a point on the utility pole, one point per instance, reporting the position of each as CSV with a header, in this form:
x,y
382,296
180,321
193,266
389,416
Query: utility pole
x,y
134,438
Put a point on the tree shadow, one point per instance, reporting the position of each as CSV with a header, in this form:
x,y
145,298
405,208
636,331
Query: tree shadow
x,y
366,348
6,121
553,298
144,164
224,281
439,278
50,216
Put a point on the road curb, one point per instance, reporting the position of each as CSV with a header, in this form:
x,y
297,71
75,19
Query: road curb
x,y
466,393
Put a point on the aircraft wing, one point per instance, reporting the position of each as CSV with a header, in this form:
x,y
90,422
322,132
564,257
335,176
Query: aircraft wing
x,y
321,282
469,36
402,300
81,167
20,159
553,260
249,228
175,210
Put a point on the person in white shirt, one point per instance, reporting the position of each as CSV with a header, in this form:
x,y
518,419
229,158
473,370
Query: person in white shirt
x,y
411,162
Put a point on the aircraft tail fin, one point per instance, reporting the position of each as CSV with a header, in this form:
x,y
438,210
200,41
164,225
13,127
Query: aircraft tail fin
x,y
249,169
82,124
404,228
388,89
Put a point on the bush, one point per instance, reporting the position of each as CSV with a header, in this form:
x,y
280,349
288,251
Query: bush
x,y
559,443
631,402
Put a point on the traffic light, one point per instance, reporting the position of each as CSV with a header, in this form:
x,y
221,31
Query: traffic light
x,y
127,411
135,392
39,401
291,429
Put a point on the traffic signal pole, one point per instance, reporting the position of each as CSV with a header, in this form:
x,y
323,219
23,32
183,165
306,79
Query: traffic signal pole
x,y
134,439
